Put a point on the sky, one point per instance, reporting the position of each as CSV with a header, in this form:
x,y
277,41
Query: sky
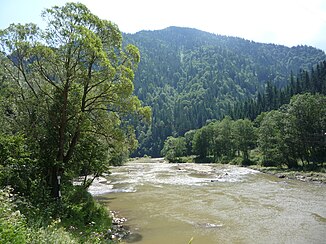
x,y
285,22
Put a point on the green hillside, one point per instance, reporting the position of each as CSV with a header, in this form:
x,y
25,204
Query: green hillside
x,y
189,77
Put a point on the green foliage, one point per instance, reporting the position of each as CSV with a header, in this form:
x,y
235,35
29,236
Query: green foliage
x,y
190,77
14,227
201,142
222,139
189,136
272,97
52,235
71,91
17,168
237,161
67,100
91,157
244,137
309,123
223,147
174,148
82,213
47,222
12,222
296,131
274,142
280,137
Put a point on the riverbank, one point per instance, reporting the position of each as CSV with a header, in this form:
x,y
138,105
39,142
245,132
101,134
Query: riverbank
x,y
306,176
118,230
101,185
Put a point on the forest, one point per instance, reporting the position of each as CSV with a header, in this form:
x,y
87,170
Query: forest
x,y
280,127
294,133
80,96
189,77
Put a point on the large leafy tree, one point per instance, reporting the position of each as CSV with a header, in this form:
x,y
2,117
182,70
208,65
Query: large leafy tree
x,y
297,130
276,139
174,148
244,137
309,121
223,143
201,144
71,81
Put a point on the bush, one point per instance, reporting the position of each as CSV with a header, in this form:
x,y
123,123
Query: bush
x,y
237,161
17,168
247,162
12,223
52,234
269,163
82,219
82,212
14,228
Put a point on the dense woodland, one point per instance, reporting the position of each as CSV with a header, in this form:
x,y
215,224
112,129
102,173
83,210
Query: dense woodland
x,y
272,97
292,136
189,77
280,127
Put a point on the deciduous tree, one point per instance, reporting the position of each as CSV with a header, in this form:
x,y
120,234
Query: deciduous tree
x,y
72,80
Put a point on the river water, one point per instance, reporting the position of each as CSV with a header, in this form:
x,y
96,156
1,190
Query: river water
x,y
173,203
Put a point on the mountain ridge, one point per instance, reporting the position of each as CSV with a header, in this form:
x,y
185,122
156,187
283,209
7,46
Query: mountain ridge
x,y
189,76
178,28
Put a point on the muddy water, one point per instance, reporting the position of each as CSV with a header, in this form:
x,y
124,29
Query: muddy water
x,y
169,203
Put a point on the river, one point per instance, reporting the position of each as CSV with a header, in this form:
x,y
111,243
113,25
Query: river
x,y
211,203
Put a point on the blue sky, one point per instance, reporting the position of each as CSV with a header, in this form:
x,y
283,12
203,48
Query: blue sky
x,y
286,22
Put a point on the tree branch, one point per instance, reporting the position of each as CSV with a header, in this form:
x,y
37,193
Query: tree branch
x,y
22,70
45,76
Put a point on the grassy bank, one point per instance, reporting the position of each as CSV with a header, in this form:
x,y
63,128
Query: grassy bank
x,y
299,174
78,218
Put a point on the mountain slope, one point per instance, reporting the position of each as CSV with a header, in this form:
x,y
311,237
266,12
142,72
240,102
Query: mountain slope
x,y
189,76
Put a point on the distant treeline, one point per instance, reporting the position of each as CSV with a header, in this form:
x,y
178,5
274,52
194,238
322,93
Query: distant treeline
x,y
293,130
293,135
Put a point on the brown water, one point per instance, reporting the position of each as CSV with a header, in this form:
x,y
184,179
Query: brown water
x,y
169,203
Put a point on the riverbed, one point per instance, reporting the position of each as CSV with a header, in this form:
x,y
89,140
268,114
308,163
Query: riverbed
x,y
212,203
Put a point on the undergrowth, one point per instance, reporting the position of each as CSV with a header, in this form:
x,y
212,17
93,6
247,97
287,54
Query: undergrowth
x,y
78,219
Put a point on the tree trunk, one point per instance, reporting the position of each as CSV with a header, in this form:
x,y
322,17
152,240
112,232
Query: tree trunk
x,y
55,170
53,181
63,124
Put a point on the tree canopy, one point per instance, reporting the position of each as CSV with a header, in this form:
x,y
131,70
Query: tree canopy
x,y
293,133
69,90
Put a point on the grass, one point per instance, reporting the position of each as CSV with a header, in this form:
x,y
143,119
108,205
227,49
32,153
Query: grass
x,y
80,219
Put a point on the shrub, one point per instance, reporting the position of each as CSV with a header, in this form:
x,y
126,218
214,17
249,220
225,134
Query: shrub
x,y
12,223
237,161
52,234
82,212
83,220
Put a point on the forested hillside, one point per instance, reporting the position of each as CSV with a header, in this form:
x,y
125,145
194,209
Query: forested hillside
x,y
189,77
290,134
